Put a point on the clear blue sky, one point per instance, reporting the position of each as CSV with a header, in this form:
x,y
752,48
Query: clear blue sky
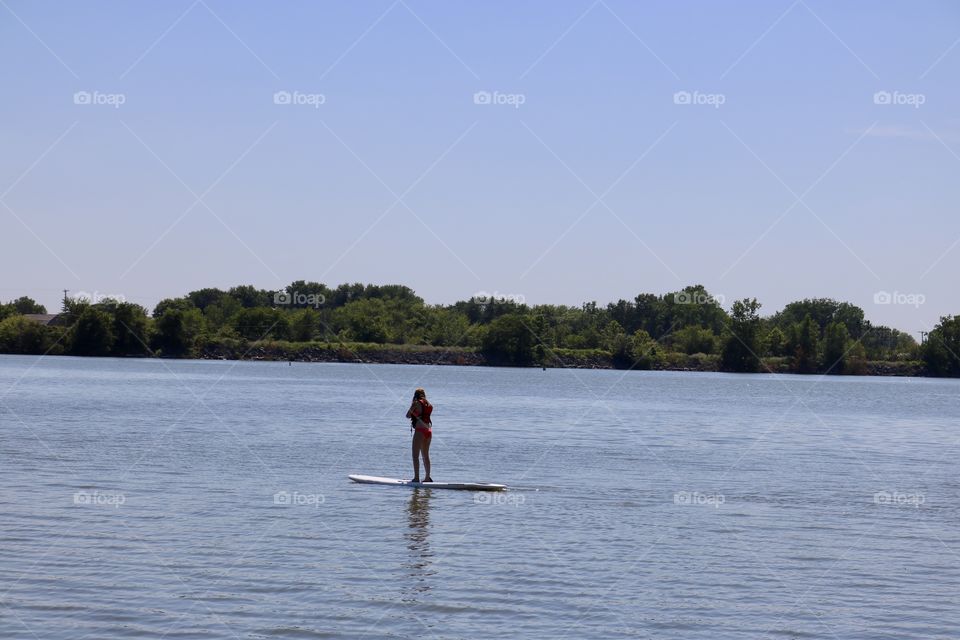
x,y
598,186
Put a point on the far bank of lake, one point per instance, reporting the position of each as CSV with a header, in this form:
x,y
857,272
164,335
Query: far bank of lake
x,y
463,356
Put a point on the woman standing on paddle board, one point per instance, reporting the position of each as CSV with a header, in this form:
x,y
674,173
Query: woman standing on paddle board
x,y
419,414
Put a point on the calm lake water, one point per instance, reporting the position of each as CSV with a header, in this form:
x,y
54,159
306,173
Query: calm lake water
x,y
196,500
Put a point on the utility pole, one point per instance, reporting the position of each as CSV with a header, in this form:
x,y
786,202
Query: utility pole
x,y
65,299
923,336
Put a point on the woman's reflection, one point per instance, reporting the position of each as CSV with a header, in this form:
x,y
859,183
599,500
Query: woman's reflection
x,y
418,513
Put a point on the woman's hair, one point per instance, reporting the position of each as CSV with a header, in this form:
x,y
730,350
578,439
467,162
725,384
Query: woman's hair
x,y
419,393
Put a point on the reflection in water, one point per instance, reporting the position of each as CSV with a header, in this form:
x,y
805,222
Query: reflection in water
x,y
418,512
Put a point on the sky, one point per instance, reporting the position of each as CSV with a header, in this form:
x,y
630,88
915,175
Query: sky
x,y
558,152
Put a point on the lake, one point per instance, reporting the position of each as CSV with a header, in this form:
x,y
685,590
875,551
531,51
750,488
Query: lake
x,y
210,499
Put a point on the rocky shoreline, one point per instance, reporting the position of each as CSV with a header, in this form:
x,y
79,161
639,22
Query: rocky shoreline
x,y
459,356
379,354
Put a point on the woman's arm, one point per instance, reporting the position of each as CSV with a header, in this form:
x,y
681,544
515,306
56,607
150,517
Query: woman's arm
x,y
414,410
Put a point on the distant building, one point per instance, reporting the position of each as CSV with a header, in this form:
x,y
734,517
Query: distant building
x,y
49,319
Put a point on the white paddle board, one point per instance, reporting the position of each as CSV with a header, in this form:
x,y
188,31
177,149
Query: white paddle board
x,y
468,486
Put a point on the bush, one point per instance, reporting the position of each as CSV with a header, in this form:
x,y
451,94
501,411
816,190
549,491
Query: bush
x,y
693,339
20,335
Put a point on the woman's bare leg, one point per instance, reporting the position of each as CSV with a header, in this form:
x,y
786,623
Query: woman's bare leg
x,y
425,450
417,441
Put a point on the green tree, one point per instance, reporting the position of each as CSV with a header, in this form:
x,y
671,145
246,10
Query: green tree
x,y
92,333
611,335
392,292
308,294
835,339
170,337
363,321
129,326
203,298
346,292
584,327
73,307
27,305
693,339
650,315
776,342
261,323
942,346
906,347
884,343
183,304
856,361
615,340
486,309
693,306
823,311
220,313
742,346
194,324
20,335
805,345
406,319
509,340
250,297
303,325
643,350
541,340
446,327
476,335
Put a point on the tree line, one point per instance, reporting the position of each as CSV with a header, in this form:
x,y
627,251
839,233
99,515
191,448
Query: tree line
x,y
648,332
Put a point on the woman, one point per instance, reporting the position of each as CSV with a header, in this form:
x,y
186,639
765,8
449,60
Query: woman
x,y
419,414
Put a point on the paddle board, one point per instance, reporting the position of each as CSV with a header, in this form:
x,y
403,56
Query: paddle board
x,y
467,486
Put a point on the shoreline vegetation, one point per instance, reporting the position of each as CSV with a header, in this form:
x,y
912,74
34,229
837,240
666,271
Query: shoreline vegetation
x,y
368,353
686,330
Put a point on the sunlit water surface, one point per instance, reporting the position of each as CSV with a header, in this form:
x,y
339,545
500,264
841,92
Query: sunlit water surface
x,y
186,499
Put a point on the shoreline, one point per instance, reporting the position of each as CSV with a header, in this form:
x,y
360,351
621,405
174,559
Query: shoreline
x,y
365,353
465,357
